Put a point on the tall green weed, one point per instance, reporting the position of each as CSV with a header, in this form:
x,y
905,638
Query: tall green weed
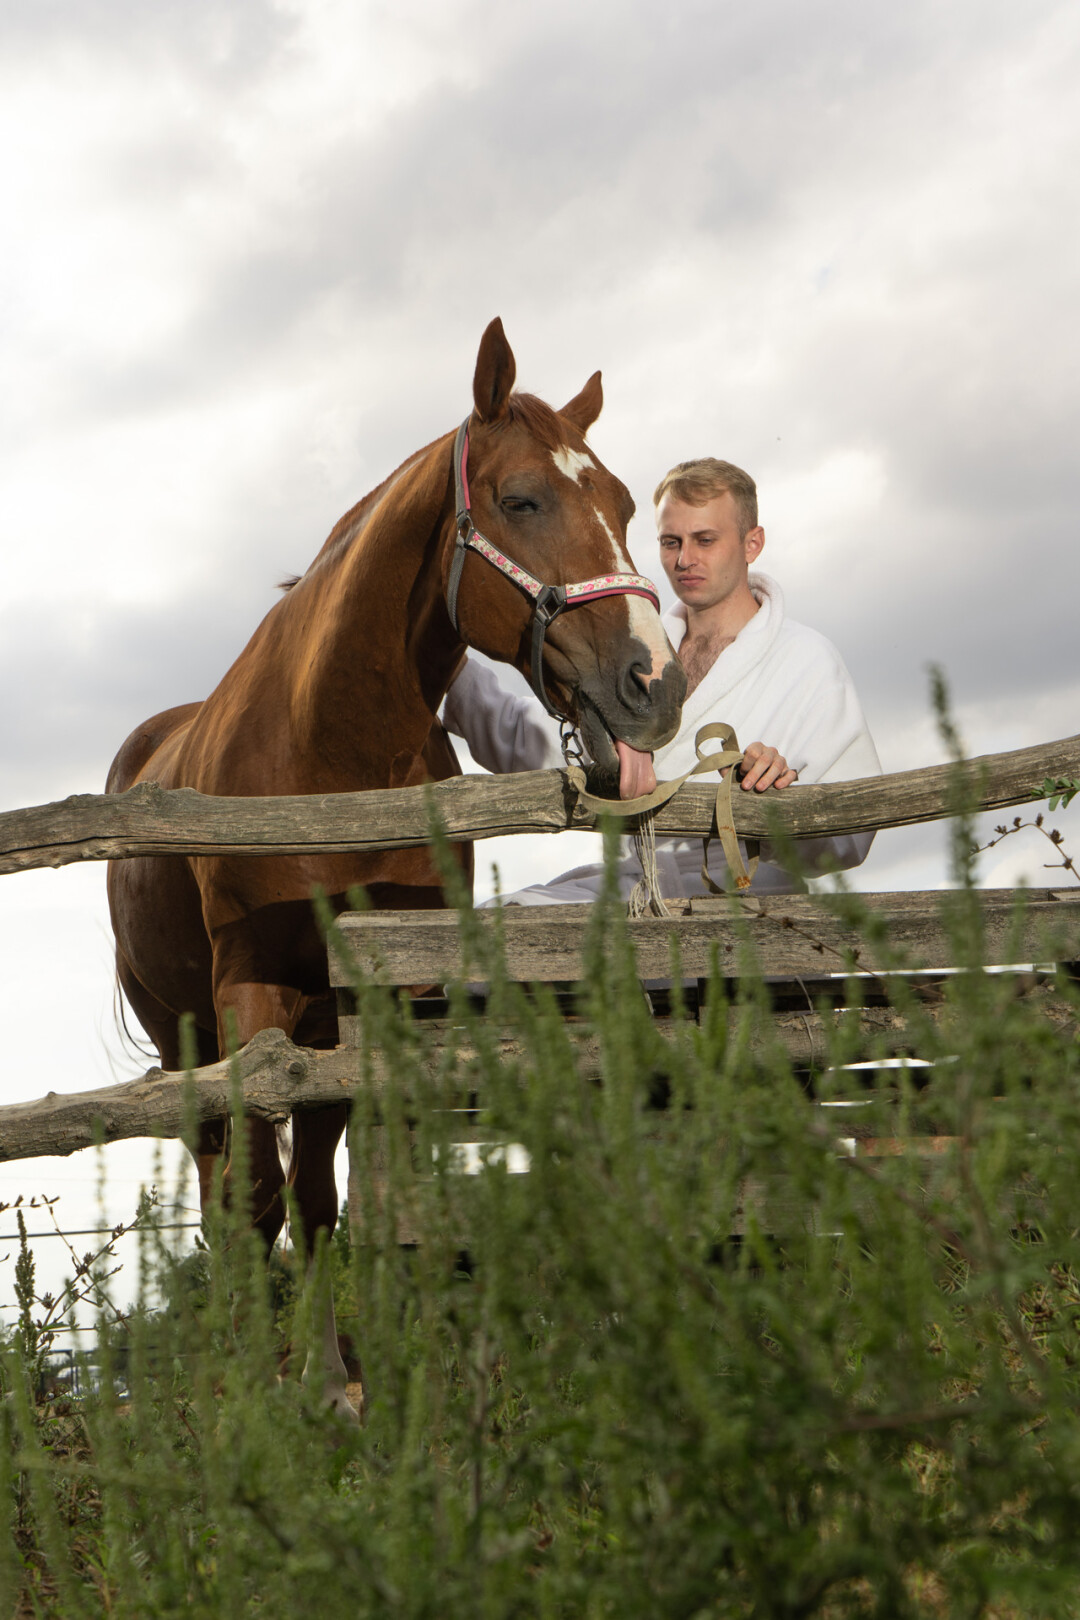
x,y
698,1362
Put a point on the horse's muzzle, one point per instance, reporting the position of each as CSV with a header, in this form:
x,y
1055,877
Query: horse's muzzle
x,y
622,703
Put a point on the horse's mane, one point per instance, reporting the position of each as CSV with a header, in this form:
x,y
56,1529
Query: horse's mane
x,y
526,410
540,420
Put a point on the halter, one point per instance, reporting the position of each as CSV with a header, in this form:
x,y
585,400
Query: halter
x,y
548,600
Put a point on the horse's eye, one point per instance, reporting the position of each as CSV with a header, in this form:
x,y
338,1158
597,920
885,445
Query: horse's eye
x,y
517,504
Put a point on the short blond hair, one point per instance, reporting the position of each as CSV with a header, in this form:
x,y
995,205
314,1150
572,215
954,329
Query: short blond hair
x,y
697,482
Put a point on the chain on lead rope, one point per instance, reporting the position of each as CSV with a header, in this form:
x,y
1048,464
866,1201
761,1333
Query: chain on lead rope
x,y
570,743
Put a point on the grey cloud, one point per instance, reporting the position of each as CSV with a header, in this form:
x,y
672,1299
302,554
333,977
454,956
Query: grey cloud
x,y
668,130
597,149
223,41
696,121
79,684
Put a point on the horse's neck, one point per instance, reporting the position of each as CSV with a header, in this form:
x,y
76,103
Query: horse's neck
x,y
375,652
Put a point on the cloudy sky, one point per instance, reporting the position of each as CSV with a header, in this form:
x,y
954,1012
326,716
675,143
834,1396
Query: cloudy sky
x,y
251,247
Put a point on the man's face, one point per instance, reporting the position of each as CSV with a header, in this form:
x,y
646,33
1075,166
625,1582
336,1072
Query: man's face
x,y
704,555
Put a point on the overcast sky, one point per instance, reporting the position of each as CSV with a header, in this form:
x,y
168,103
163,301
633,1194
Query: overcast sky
x,y
249,252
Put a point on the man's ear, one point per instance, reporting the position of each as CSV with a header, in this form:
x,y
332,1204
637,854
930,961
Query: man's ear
x,y
753,543
494,376
585,407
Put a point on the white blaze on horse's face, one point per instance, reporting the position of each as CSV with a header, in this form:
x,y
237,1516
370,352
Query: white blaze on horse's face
x,y
644,620
572,463
645,623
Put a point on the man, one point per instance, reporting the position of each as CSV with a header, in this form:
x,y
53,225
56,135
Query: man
x,y
747,664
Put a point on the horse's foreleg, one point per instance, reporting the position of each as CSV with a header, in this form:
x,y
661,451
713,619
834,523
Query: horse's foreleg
x,y
243,1010
323,1359
316,1135
266,1178
265,1175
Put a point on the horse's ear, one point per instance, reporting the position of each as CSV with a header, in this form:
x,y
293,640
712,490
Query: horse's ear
x,y
585,407
494,375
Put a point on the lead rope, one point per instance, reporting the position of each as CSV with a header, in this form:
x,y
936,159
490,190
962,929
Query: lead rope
x,y
645,898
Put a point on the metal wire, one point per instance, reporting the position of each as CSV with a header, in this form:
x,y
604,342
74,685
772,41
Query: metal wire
x,y
97,1231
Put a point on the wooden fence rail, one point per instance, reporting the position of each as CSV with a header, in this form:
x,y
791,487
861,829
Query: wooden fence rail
x,y
788,935
148,820
274,1077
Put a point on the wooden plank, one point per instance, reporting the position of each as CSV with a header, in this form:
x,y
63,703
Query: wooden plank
x,y
147,820
806,1035
791,936
275,1077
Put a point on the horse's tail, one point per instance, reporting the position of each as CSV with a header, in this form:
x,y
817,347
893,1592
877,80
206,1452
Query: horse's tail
x,y
130,1042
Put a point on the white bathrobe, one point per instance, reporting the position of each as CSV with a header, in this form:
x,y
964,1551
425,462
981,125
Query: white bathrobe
x,y
778,683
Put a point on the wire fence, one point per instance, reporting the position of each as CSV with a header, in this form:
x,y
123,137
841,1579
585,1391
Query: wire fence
x,y
97,1231
105,1233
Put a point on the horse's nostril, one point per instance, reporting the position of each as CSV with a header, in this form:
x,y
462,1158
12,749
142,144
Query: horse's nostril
x,y
633,687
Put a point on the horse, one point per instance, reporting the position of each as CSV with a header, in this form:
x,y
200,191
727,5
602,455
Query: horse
x,y
338,690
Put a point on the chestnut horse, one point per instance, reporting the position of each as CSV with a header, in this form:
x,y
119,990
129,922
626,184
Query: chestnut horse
x,y
338,690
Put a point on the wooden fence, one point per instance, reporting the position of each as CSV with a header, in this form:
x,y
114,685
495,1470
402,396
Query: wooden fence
x,y
148,820
796,938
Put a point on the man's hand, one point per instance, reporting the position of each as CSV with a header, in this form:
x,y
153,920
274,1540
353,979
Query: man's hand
x,y
763,768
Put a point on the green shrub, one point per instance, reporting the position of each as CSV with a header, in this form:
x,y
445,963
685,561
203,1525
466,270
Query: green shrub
x,y
698,1362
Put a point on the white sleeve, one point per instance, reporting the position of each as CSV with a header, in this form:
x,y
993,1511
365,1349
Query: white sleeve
x,y
833,745
504,732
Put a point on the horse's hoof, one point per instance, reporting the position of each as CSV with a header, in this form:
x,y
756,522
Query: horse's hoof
x,y
347,1404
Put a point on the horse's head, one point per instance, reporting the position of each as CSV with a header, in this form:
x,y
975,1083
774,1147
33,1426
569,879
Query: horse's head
x,y
548,512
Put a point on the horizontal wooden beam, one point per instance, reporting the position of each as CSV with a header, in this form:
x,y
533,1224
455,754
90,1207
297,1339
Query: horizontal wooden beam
x,y
807,1035
274,1076
789,936
148,820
